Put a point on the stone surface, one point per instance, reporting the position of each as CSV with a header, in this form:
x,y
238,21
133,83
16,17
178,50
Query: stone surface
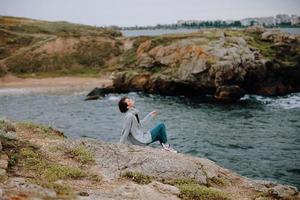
x,y
278,191
9,135
164,188
2,172
19,187
3,161
116,159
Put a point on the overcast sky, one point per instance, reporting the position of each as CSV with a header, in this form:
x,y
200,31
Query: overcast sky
x,y
144,12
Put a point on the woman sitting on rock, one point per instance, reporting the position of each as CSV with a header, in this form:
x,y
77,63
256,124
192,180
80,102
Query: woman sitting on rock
x,y
132,131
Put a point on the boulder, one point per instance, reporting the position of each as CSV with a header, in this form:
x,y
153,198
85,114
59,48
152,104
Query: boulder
x,y
97,93
229,93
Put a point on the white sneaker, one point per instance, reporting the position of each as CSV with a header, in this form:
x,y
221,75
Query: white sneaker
x,y
167,147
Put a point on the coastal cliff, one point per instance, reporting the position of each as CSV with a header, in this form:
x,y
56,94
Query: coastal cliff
x,y
40,162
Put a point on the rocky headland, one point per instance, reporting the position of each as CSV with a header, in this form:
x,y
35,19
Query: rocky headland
x,y
39,162
223,63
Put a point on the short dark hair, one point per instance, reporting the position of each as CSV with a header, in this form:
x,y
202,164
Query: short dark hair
x,y
123,105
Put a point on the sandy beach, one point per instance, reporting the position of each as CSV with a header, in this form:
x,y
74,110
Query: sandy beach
x,y
11,82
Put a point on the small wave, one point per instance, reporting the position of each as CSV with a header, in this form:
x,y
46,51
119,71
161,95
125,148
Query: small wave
x,y
294,171
236,146
113,98
290,101
5,91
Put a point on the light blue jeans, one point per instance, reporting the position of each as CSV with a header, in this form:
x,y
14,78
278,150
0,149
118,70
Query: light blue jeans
x,y
158,133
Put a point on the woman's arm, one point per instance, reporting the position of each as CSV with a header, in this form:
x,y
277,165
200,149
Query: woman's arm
x,y
148,117
126,129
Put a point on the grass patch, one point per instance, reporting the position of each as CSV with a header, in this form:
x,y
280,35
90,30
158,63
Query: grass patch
x,y
218,181
3,53
35,162
137,177
62,28
88,58
64,190
263,46
82,154
286,54
129,57
60,189
210,61
56,172
28,161
3,178
3,72
44,172
190,189
22,40
199,192
43,130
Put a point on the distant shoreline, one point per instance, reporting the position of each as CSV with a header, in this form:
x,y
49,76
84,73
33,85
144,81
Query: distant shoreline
x,y
162,31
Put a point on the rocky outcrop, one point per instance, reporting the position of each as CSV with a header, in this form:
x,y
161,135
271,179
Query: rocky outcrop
x,y
255,60
228,93
90,169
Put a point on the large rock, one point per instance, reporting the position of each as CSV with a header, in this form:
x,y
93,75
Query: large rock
x,y
115,159
229,93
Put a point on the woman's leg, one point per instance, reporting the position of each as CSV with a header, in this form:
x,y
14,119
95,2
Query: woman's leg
x,y
158,133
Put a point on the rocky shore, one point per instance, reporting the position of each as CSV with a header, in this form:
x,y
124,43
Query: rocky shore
x,y
223,63
39,162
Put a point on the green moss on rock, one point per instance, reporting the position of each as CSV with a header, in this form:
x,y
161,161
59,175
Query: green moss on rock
x,y
42,130
82,154
198,192
138,177
190,189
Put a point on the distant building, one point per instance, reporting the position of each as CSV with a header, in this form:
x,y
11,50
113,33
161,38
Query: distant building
x,y
282,18
295,20
246,21
265,21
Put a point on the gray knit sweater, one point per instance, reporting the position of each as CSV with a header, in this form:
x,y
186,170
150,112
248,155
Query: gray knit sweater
x,y
132,131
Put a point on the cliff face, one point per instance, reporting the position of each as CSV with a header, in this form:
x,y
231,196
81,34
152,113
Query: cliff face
x,y
39,162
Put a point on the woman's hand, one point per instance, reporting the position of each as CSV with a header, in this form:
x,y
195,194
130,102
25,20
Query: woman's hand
x,y
154,113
